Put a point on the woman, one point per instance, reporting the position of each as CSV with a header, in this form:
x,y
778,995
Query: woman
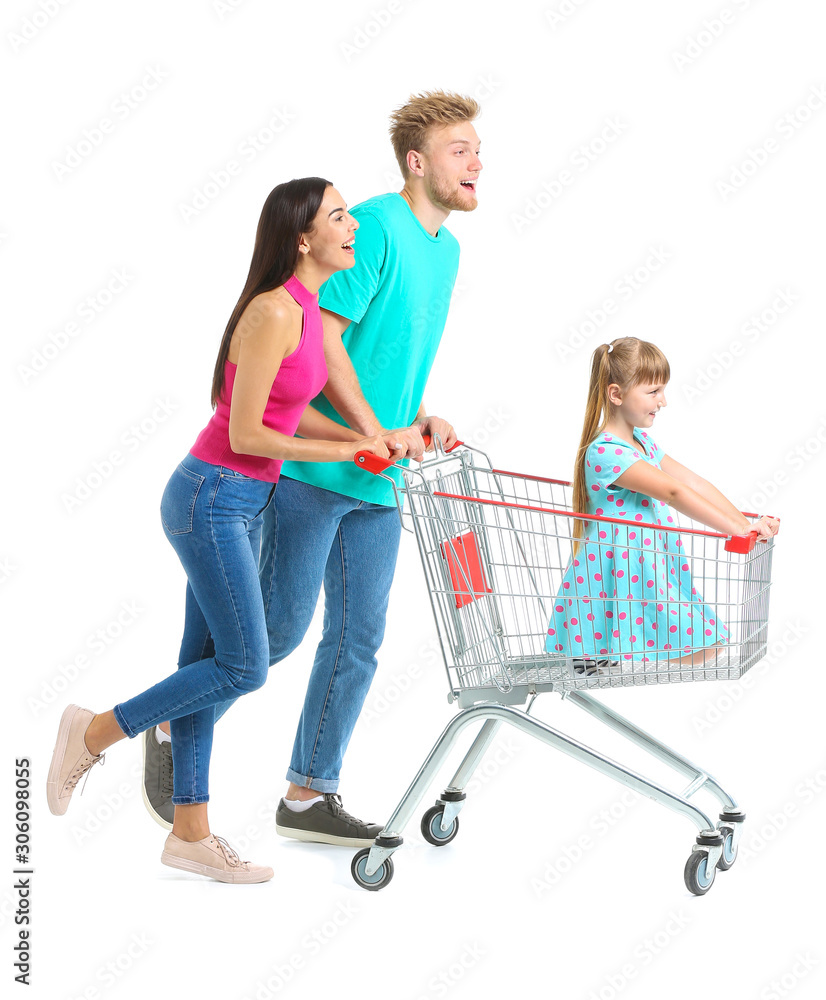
x,y
270,365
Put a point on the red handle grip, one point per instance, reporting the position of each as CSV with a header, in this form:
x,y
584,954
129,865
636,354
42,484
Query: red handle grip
x,y
372,463
743,544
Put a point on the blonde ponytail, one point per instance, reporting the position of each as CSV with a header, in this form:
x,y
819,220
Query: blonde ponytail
x,y
625,362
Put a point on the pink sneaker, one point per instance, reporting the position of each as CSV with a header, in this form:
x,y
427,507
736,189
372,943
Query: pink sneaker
x,y
70,758
214,857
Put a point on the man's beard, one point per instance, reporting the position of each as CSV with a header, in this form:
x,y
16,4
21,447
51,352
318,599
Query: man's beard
x,y
441,194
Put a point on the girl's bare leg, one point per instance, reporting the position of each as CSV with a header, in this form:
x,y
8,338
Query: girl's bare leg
x,y
699,657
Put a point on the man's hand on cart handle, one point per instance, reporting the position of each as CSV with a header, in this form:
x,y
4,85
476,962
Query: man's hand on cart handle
x,y
437,425
372,463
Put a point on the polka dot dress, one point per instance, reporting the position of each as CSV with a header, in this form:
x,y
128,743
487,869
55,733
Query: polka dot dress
x,y
628,592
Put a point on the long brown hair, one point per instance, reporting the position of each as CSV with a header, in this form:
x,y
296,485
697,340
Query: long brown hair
x,y
288,212
628,362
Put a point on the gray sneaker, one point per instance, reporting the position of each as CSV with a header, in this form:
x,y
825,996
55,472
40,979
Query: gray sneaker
x,y
157,779
325,822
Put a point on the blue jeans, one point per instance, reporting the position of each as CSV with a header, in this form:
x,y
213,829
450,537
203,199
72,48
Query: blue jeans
x,y
212,516
312,536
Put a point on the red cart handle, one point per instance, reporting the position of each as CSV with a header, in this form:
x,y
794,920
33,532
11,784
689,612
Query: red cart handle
x,y
743,544
372,463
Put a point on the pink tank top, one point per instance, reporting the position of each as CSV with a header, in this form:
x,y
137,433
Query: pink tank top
x,y
300,378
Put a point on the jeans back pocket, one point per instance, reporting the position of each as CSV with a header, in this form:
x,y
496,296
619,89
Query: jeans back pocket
x,y
178,501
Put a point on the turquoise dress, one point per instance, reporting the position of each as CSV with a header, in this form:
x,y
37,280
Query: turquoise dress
x,y
628,592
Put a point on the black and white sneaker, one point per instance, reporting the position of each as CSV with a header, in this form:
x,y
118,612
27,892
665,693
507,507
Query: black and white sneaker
x,y
590,667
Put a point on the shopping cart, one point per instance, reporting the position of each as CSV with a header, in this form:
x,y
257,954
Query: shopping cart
x,y
495,548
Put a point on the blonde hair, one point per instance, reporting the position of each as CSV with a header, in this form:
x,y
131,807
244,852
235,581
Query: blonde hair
x,y
411,123
625,362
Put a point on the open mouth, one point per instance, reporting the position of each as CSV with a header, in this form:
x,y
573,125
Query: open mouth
x,y
348,247
469,185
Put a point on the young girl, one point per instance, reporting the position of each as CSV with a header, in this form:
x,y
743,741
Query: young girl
x,y
628,595
270,365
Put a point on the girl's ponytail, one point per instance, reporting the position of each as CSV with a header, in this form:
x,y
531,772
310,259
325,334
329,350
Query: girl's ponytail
x,y
595,420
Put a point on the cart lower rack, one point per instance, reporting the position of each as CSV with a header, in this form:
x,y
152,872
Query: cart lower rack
x,y
522,606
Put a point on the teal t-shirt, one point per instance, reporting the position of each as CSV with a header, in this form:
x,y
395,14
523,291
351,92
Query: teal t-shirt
x,y
396,296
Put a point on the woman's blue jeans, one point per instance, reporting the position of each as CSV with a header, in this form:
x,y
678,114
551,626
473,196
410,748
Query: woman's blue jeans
x,y
212,516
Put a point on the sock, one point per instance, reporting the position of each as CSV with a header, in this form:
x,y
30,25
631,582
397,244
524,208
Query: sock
x,y
161,736
298,807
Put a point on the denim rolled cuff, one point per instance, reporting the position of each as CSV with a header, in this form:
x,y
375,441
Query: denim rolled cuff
x,y
189,800
316,784
124,725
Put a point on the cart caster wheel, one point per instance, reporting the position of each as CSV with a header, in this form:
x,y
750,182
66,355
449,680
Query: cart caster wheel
x,y
379,878
432,827
699,878
729,855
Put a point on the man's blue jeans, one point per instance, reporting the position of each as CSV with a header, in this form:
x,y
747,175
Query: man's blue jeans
x,y
312,536
213,518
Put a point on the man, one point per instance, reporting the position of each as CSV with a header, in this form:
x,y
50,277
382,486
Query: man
x,y
333,522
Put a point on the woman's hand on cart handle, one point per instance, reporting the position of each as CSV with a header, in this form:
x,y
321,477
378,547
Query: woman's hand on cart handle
x,y
405,442
373,463
375,447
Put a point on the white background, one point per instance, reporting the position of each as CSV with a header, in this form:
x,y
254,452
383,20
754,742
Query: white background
x,y
510,905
